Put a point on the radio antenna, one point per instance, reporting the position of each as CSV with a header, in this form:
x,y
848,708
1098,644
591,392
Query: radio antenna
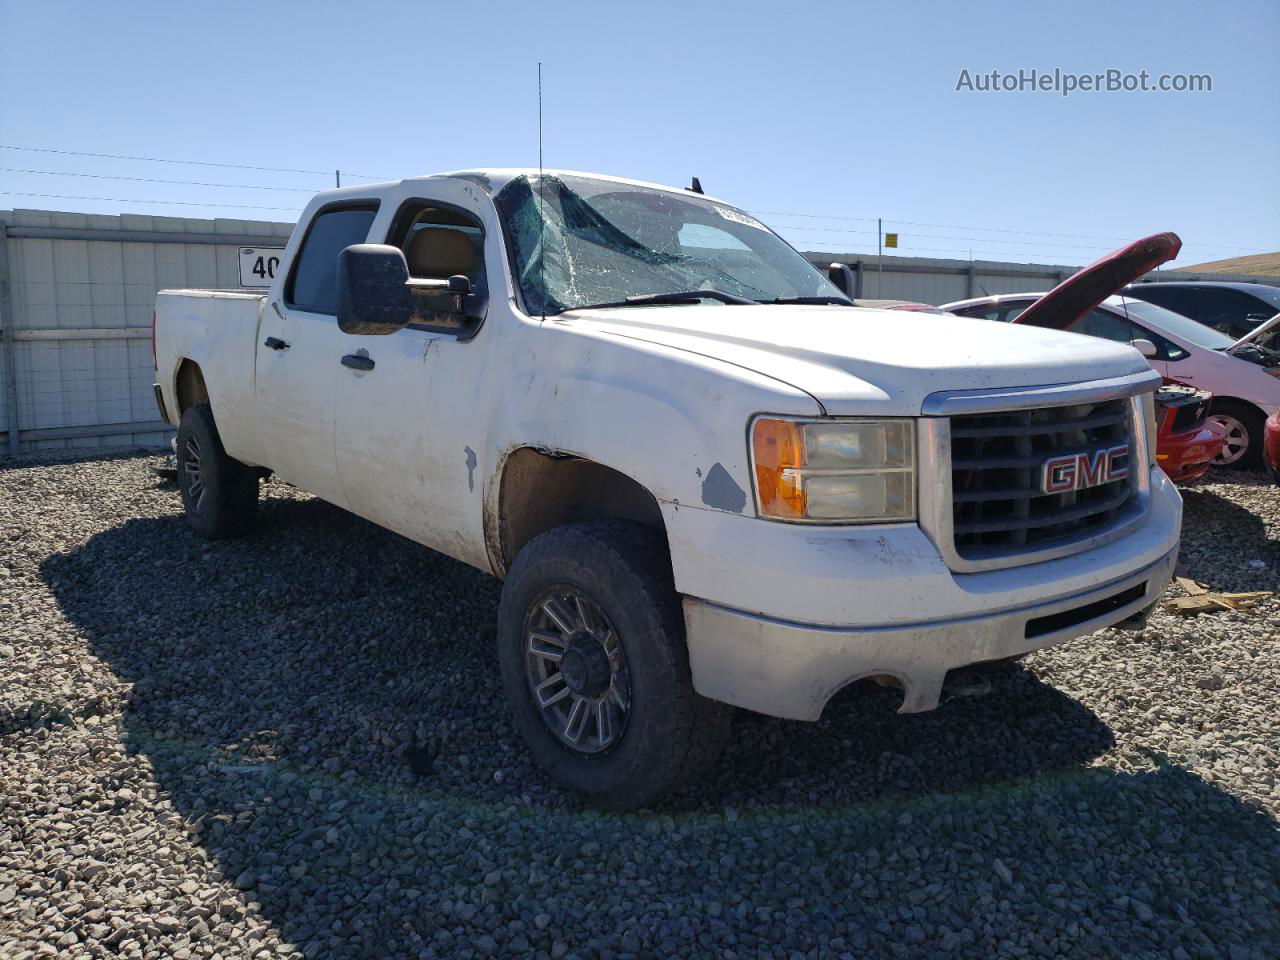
x,y
542,211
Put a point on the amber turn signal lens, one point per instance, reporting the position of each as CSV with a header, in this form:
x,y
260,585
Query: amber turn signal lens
x,y
779,453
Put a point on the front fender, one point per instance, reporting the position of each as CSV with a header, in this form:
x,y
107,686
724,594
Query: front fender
x,y
674,422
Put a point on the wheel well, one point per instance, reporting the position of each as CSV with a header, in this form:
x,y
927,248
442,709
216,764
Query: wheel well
x,y
189,386
540,491
1222,401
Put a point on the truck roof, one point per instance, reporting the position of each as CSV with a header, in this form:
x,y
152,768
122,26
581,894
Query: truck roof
x,y
493,179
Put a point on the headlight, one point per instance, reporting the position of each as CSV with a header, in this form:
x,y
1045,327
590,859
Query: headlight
x,y
835,471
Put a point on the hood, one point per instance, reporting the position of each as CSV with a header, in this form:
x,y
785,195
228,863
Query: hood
x,y
1086,288
858,361
1264,327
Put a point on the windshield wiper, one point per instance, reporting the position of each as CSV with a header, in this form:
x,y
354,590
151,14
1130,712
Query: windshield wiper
x,y
679,296
837,301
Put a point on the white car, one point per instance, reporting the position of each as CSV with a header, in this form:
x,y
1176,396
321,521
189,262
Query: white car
x,y
1244,379
705,477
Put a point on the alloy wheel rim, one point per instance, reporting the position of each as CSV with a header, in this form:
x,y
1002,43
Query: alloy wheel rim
x,y
194,475
1236,442
576,670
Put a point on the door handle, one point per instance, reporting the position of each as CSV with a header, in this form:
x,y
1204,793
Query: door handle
x,y
356,362
275,343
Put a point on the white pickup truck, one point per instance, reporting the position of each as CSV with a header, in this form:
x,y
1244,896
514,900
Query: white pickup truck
x,y
705,477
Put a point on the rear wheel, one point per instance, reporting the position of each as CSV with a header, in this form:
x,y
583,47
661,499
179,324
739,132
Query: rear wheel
x,y
1242,448
219,494
593,656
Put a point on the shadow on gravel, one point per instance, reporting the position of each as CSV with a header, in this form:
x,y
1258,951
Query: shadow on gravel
x,y
1254,555
344,753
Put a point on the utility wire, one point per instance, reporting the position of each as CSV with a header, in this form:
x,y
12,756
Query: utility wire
x,y
188,183
198,163
179,203
937,236
959,226
364,176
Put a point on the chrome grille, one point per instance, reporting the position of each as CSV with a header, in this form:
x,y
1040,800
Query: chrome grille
x,y
998,506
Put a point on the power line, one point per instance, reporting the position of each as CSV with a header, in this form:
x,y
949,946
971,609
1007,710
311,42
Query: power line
x,y
198,163
188,183
179,203
958,226
937,236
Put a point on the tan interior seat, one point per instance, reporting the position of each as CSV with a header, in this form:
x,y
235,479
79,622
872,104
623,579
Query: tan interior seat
x,y
437,253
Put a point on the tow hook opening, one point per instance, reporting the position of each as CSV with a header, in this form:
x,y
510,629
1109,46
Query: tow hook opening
x,y
1137,620
965,682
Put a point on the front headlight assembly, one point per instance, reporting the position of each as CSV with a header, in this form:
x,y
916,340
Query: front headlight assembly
x,y
835,471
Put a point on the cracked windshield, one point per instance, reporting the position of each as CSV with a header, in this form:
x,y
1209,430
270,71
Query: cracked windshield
x,y
582,242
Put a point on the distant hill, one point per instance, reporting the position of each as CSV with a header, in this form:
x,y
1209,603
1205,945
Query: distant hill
x,y
1258,263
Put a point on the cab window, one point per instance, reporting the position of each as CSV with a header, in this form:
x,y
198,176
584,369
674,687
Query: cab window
x,y
312,282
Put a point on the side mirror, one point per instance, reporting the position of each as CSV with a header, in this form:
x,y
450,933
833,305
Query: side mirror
x,y
373,290
376,295
842,277
1145,347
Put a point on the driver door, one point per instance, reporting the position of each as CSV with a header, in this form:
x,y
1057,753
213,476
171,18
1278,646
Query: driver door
x,y
406,432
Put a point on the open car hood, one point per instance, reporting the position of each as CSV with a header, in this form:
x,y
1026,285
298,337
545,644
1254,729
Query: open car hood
x,y
1255,333
1075,296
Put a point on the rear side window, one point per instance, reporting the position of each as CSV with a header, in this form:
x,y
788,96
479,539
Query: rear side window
x,y
313,282
1183,300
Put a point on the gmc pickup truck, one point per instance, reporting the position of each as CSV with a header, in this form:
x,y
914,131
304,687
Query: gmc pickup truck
x,y
706,479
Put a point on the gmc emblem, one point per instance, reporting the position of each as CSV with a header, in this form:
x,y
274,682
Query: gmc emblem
x,y
1076,471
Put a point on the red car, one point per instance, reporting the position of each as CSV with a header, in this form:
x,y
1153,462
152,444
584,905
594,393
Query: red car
x,y
1271,446
1186,441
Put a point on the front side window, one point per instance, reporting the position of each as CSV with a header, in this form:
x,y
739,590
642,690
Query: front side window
x,y
313,283
440,242
579,241
1177,324
1104,324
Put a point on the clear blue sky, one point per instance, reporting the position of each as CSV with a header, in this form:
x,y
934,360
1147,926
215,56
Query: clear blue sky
x,y
835,109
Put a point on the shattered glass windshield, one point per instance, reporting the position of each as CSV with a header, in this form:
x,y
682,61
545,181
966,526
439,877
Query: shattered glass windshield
x,y
577,242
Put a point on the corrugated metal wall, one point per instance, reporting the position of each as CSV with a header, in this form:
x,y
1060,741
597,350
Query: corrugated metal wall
x,y
76,293
927,280
76,312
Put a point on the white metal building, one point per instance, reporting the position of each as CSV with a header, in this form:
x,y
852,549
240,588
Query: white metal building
x,y
76,295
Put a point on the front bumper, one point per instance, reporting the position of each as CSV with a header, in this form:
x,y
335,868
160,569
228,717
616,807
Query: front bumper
x,y
791,670
779,618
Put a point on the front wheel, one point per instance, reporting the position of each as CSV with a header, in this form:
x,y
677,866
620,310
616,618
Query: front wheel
x,y
591,645
1242,448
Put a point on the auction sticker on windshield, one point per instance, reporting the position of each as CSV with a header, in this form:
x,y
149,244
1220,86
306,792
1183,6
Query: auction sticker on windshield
x,y
739,217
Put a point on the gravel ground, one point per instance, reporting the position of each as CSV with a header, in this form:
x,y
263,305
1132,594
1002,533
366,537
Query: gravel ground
x,y
296,745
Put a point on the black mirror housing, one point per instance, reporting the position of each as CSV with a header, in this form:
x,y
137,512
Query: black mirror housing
x,y
373,290
376,295
840,275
